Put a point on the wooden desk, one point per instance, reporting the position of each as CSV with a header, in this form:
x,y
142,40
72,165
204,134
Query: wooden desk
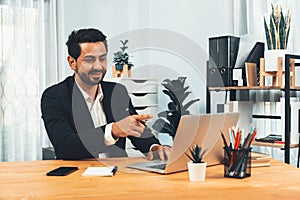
x,y
27,180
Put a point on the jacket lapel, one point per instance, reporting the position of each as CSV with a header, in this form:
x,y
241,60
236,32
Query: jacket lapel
x,y
106,102
115,102
81,115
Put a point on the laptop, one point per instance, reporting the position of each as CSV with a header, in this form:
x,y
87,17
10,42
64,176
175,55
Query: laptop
x,y
203,130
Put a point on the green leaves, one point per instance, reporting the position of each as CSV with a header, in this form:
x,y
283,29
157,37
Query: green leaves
x,y
196,154
122,58
277,32
168,120
268,33
124,47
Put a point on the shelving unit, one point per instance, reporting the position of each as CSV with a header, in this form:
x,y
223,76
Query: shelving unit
x,y
286,91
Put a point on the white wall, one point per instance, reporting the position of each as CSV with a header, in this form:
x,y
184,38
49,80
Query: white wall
x,y
167,38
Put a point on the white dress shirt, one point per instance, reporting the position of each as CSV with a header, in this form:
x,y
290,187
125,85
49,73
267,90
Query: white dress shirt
x,y
98,116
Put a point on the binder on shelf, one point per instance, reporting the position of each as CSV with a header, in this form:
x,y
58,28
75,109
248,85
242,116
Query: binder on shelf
x,y
251,74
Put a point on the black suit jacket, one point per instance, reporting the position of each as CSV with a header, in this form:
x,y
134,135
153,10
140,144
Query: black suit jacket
x,y
70,127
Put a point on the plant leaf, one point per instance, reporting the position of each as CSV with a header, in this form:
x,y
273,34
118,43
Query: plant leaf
x,y
183,97
182,80
171,95
168,120
287,28
163,114
202,154
281,31
185,89
185,112
124,42
187,105
273,33
268,34
189,157
159,124
173,107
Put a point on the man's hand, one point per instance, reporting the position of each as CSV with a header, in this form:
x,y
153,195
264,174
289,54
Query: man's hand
x,y
161,150
132,125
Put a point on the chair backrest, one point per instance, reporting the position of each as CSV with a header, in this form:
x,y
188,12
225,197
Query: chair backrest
x,y
48,153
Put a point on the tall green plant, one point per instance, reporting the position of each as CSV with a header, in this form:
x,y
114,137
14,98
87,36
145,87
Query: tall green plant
x,y
277,33
168,120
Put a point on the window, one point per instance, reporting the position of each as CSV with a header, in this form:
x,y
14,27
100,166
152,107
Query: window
x,y
19,83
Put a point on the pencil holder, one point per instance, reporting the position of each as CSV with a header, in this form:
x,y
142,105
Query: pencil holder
x,y
237,162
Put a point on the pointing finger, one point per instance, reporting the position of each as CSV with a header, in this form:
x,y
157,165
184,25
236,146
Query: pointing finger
x,y
142,117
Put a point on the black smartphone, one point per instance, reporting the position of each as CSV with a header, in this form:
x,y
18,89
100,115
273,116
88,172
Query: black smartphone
x,y
62,171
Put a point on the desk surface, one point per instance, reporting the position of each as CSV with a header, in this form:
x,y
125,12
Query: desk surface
x,y
28,180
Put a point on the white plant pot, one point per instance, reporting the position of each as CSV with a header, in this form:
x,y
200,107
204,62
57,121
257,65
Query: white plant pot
x,y
197,171
271,59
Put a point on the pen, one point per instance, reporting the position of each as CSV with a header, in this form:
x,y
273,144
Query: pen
x,y
224,140
279,142
251,128
247,140
131,111
147,127
231,138
114,170
237,140
252,138
243,136
226,145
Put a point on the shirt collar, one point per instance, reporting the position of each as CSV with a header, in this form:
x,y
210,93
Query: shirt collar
x,y
87,97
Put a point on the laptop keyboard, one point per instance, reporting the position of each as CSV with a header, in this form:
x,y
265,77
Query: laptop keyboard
x,y
160,166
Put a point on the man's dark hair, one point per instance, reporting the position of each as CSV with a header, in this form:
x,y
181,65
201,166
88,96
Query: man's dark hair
x,y
83,36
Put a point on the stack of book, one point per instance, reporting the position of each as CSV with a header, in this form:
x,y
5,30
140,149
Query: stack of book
x,y
260,160
272,138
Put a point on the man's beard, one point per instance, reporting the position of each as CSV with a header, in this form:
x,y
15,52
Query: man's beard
x,y
85,77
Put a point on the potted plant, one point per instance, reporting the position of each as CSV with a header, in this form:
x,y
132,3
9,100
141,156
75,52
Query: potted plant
x,y
168,120
196,165
277,35
121,60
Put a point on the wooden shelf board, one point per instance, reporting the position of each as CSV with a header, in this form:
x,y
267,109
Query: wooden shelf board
x,y
275,145
251,88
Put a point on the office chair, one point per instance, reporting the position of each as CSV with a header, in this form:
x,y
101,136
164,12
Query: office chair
x,y
48,153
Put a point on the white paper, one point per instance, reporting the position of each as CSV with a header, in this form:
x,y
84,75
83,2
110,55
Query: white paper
x,y
98,171
247,42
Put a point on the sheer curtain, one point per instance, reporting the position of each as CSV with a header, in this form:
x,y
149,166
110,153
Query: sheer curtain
x,y
26,49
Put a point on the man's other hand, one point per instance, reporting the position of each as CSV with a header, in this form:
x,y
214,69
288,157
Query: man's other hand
x,y
161,150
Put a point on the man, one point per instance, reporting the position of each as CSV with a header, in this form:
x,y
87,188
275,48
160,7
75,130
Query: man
x,y
86,117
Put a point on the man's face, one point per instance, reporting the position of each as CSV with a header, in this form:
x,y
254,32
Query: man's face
x,y
91,65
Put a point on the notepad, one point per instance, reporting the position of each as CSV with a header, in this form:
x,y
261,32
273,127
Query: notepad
x,y
99,171
260,160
